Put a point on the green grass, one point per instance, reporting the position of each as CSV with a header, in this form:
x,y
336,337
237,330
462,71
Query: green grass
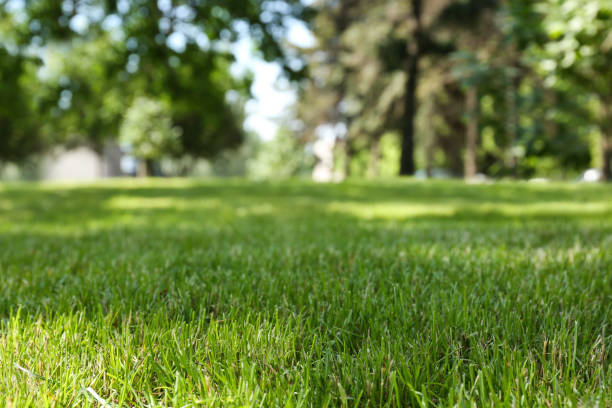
x,y
228,293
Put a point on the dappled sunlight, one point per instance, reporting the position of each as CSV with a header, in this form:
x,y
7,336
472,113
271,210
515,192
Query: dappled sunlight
x,y
399,210
390,210
6,205
124,202
221,288
305,203
111,183
192,204
256,209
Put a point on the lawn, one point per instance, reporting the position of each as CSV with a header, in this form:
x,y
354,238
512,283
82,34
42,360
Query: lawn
x,y
231,293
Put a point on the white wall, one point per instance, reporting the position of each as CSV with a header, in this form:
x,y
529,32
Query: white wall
x,y
81,163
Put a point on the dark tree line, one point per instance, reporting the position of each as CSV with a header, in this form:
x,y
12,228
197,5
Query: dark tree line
x,y
507,86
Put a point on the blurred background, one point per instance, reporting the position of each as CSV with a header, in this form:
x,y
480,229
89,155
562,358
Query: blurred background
x,y
323,89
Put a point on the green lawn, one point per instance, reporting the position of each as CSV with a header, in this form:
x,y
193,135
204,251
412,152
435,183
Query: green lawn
x,y
230,293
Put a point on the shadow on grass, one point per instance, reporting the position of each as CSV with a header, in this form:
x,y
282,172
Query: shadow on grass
x,y
202,204
217,247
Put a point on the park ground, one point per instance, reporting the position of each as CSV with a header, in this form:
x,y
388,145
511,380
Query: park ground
x,y
232,293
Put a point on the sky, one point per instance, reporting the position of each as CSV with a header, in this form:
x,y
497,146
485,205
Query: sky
x,y
272,96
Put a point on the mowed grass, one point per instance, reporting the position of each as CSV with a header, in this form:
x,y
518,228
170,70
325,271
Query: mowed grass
x,y
229,293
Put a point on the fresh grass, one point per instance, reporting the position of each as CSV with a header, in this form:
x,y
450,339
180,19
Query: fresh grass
x,y
229,293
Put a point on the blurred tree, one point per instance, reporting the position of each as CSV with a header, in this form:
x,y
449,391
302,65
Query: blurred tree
x,y
282,157
580,50
83,92
414,36
149,132
149,26
471,66
20,124
508,87
323,97
374,64
178,52
522,118
20,133
487,60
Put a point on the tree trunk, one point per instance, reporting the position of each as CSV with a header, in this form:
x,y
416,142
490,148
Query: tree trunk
x,y
512,120
150,163
410,102
429,155
606,157
550,124
451,106
186,167
606,143
375,158
471,140
146,168
142,170
348,155
407,152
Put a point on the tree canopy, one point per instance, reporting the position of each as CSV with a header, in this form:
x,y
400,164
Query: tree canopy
x,y
97,56
507,88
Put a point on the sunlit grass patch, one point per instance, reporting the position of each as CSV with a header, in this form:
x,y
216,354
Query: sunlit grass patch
x,y
146,203
405,210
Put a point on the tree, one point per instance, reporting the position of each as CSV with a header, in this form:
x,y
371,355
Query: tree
x,y
323,101
417,31
381,50
84,91
475,63
20,125
149,131
173,51
282,157
579,49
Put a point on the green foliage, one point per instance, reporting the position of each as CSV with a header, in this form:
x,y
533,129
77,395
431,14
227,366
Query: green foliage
x,y
282,157
20,132
70,70
228,293
536,65
580,42
99,55
236,162
148,129
578,56
390,154
82,94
